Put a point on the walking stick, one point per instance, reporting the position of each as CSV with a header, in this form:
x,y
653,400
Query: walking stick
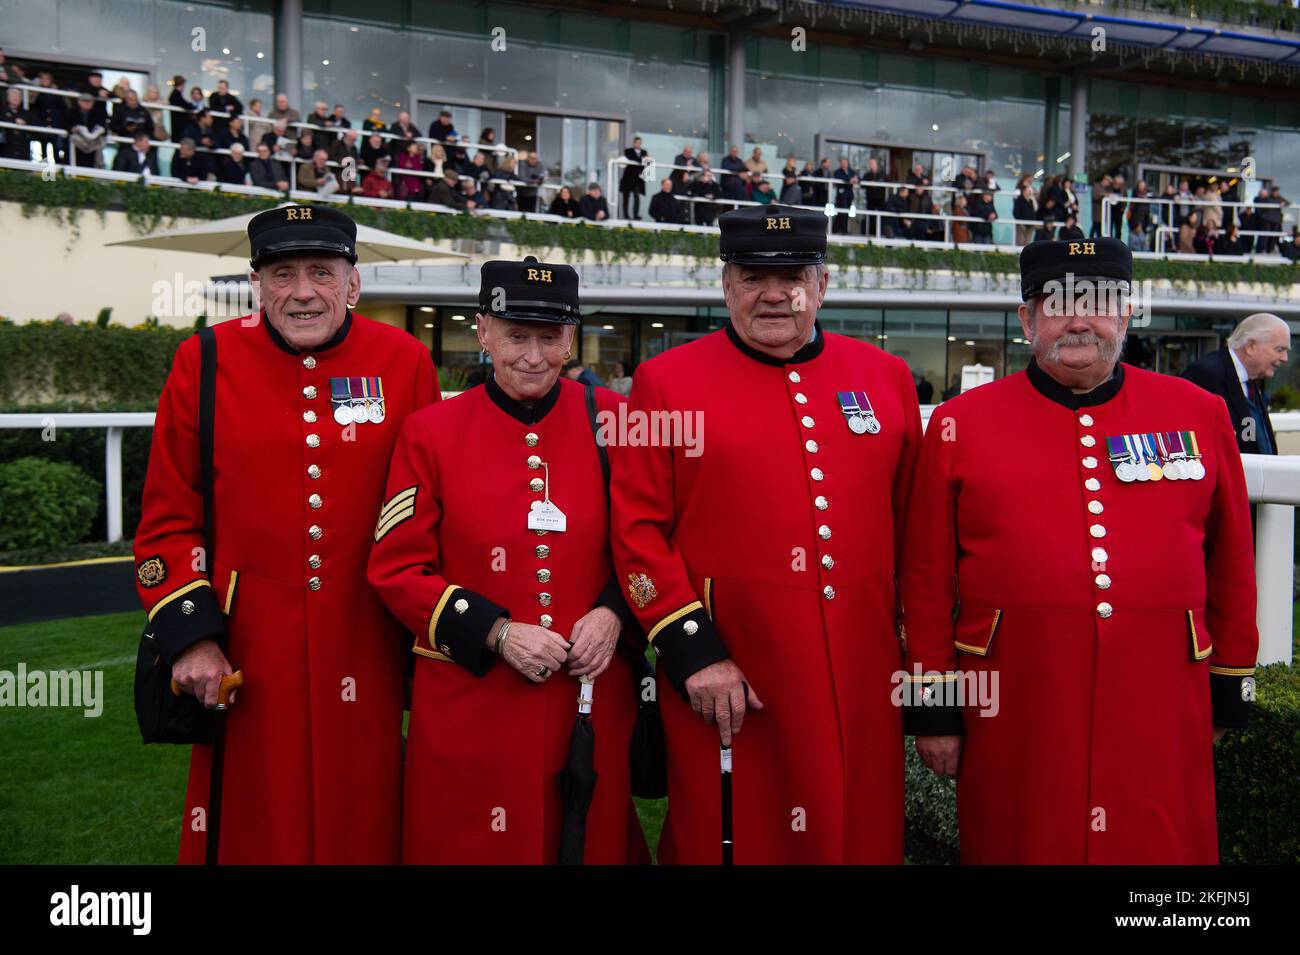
x,y
725,753
230,682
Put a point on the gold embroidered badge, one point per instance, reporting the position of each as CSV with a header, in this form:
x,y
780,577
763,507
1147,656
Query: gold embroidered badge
x,y
641,588
152,572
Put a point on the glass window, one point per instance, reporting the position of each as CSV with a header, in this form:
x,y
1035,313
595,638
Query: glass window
x,y
918,337
976,338
607,345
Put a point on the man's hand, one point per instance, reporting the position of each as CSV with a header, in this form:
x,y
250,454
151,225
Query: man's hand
x,y
940,753
719,694
594,638
198,672
530,648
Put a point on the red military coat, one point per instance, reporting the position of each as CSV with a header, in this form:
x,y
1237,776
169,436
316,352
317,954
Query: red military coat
x,y
1113,615
453,552
773,543
312,761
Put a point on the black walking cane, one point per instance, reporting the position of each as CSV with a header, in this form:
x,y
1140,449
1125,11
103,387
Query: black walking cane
x,y
725,753
229,682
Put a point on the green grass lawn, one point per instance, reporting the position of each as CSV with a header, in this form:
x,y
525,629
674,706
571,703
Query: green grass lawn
x,y
79,790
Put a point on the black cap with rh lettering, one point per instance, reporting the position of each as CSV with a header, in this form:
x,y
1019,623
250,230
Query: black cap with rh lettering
x,y
529,291
773,235
302,229
1073,262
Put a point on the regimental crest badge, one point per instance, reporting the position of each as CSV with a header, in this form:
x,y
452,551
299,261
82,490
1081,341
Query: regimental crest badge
x,y
152,572
642,589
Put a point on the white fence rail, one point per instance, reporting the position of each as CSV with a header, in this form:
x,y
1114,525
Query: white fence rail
x,y
1273,483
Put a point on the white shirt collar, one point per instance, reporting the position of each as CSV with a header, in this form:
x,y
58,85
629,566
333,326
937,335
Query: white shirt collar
x,y
1241,373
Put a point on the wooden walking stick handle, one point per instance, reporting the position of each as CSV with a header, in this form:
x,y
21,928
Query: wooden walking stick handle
x,y
231,681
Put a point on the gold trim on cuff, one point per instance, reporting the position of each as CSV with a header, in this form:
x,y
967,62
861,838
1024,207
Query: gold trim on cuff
x,y
192,585
1232,671
437,611
691,607
932,677
230,592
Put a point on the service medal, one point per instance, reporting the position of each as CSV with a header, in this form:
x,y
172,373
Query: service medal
x,y
375,386
858,413
873,424
858,424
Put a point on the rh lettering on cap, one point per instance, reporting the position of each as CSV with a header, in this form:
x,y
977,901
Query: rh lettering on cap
x,y
539,275
1084,248
781,223
299,213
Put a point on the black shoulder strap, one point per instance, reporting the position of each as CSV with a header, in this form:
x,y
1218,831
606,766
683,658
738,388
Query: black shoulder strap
x,y
595,431
207,415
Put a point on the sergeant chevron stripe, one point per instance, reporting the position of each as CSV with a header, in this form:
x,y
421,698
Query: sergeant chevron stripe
x,y
400,507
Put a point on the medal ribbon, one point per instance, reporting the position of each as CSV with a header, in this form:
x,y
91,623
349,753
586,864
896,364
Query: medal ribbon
x,y
1190,437
1117,450
1149,444
1136,454
864,403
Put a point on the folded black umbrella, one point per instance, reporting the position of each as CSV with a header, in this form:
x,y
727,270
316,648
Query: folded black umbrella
x,y
578,781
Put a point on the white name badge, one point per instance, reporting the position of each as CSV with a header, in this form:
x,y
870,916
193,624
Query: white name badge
x,y
547,517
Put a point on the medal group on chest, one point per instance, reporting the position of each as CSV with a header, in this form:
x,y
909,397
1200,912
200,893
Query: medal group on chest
x,y
1156,455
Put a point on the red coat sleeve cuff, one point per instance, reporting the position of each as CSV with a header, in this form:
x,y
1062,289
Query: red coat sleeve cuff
x,y
458,629
686,642
184,617
1232,691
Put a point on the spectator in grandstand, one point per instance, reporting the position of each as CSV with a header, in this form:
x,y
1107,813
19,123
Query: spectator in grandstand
x,y
488,140
666,207
1141,220
265,171
823,189
197,102
1187,233
897,225
565,205
1183,199
278,140
49,109
763,192
916,176
1070,228
374,123
150,98
188,165
982,209
622,381
320,116
139,157
344,152
438,159
86,133
14,144
593,205
1212,211
1119,189
233,133
847,178
283,110
99,95
1290,246
441,129
1025,207
373,149
405,131
991,182
532,172
232,170
412,188
338,122
682,177
473,194
960,230
631,187
577,371
791,192
807,189
705,186
1268,216
1228,242
203,130
755,163
965,179
179,117
505,184
1100,190
444,191
477,169
224,105
1169,206
257,127
317,175
732,181
376,184
305,148
1201,240
875,195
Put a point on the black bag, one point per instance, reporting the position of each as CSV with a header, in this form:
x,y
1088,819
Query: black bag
x,y
648,752
163,716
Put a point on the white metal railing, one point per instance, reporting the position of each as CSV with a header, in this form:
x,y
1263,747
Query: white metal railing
x,y
1161,228
1272,482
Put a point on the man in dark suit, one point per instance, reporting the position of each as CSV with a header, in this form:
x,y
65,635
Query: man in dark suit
x,y
1255,350
139,157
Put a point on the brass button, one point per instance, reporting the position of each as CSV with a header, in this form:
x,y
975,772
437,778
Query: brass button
x,y
543,575
1104,609
691,628
315,500
444,649
829,592
542,551
828,561
546,620
530,439
1099,555
313,583
534,461
806,421
187,607
1094,507
313,471
1090,462
824,532
309,392
314,532
1102,581
313,441
309,363
1092,484
1096,530
313,561
800,397
794,376
461,605
1087,441
811,446
544,599
534,505
309,416
540,533
537,484
817,474
1085,420
821,503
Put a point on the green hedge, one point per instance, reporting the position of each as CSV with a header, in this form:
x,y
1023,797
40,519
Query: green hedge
x,y
151,207
45,503
1257,782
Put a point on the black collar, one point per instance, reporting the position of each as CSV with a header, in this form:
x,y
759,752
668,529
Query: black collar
x,y
807,353
521,412
1053,390
283,345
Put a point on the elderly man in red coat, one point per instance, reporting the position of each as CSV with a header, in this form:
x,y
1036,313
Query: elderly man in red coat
x,y
309,400
1078,590
760,559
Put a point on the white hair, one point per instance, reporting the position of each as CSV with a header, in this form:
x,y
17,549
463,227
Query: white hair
x,y
1253,328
